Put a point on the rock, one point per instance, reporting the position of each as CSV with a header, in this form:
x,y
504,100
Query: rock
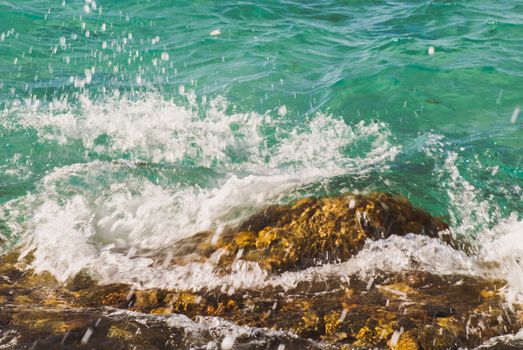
x,y
397,311
317,230
402,311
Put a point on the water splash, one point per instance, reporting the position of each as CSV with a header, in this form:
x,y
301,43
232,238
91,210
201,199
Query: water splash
x,y
99,214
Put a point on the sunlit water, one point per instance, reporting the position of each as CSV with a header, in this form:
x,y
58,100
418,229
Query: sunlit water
x,y
126,126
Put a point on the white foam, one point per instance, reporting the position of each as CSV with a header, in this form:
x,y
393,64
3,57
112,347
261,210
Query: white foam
x,y
394,254
215,327
499,258
97,215
469,214
511,341
115,267
16,168
9,339
502,248
497,239
150,128
77,227
59,229
321,143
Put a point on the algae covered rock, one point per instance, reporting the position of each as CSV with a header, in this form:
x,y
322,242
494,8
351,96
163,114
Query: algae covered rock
x,y
412,310
316,230
391,310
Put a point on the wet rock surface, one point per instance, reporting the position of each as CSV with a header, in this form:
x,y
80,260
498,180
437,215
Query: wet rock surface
x,y
408,310
312,231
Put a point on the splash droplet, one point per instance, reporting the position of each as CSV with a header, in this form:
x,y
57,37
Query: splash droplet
x,y
87,336
282,111
228,342
515,115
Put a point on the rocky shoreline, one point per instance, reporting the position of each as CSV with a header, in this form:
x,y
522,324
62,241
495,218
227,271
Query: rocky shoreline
x,y
404,311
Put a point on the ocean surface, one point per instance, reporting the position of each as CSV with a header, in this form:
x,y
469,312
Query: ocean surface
x,y
126,126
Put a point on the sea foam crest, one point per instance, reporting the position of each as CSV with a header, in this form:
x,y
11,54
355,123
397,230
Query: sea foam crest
x,y
150,128
101,215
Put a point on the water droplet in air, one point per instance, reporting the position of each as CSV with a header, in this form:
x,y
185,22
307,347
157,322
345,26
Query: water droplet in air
x,y
343,315
87,336
396,337
282,111
515,115
227,342
88,76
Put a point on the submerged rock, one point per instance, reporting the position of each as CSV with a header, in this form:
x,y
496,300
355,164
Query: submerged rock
x,y
421,309
409,310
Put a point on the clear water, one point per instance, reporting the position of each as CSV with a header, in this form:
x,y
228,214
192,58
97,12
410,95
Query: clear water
x,y
127,125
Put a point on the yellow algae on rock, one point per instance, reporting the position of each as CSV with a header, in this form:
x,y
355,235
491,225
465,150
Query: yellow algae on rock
x,y
245,239
184,301
145,298
315,230
162,311
116,331
376,330
486,293
309,324
332,321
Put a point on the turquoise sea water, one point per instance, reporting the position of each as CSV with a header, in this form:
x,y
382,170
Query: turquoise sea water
x,y
131,124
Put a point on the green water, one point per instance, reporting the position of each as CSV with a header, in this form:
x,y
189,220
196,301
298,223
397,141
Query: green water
x,y
199,112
